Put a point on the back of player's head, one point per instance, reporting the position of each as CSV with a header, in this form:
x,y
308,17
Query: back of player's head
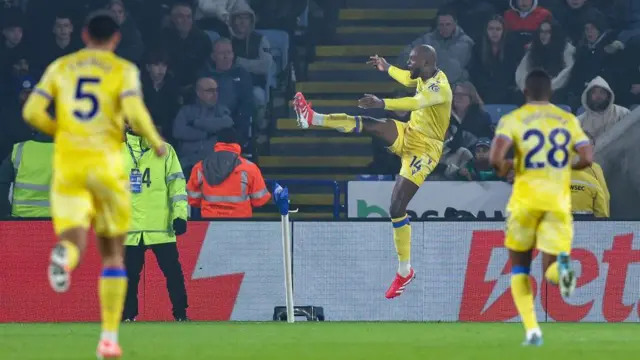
x,y
228,135
102,26
538,86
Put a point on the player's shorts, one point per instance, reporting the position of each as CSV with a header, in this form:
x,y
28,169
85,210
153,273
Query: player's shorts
x,y
85,193
418,161
549,232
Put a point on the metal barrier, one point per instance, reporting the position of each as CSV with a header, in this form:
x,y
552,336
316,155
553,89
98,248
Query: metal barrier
x,y
337,207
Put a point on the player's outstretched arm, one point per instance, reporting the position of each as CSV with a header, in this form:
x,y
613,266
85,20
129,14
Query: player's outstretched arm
x,y
585,156
421,100
399,75
138,116
35,113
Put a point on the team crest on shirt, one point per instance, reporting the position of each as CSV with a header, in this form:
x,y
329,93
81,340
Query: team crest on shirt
x,y
434,87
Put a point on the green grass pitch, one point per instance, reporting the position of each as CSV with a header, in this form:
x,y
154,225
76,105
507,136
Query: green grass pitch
x,y
447,341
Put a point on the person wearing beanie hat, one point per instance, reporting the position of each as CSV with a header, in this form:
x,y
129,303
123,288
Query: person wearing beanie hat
x,y
479,169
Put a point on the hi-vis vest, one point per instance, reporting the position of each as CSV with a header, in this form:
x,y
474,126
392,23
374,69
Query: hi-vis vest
x,y
32,163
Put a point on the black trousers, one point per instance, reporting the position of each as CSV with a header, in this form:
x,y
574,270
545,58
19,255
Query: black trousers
x,y
167,257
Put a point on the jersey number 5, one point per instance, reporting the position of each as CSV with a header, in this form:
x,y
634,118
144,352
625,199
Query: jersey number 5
x,y
83,94
559,139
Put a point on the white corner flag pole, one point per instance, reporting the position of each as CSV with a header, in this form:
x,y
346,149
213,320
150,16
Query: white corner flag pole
x,y
288,276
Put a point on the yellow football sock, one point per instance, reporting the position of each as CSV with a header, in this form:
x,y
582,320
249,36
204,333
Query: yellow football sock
x,y
552,274
113,288
73,254
341,122
523,298
402,240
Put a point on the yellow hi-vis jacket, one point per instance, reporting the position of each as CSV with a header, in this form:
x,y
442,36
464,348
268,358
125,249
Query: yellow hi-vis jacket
x,y
589,192
162,197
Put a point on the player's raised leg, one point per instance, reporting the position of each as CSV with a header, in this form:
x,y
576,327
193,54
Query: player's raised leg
x,y
65,257
555,235
71,210
403,192
306,116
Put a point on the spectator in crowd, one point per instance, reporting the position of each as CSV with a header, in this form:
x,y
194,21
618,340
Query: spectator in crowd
x,y
473,16
467,109
454,157
188,46
131,46
572,15
224,184
279,14
494,63
63,43
234,84
589,192
15,129
632,96
600,55
453,46
252,52
196,125
159,214
551,52
525,16
30,168
479,168
214,15
626,13
161,92
13,40
600,112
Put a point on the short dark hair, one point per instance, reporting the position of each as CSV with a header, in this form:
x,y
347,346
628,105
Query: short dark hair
x,y
228,135
62,15
157,56
102,25
538,85
182,3
447,11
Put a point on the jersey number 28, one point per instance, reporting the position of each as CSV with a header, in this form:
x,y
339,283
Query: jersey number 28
x,y
83,93
558,138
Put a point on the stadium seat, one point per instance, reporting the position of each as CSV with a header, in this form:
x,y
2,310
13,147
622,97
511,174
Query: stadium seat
x,y
564,107
497,110
213,36
580,110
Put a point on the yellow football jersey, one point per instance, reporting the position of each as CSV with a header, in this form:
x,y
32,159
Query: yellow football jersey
x,y
430,107
544,138
88,88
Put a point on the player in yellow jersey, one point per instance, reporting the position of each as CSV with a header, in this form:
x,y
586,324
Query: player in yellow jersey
x,y
418,143
93,90
546,139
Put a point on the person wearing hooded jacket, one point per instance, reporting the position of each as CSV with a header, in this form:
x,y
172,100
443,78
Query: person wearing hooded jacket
x,y
159,214
253,53
453,46
224,184
600,112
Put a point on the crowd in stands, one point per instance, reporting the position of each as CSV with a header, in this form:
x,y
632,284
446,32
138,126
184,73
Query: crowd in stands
x,y
487,47
203,64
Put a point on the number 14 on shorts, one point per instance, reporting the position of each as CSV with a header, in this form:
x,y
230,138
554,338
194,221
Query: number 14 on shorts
x,y
416,164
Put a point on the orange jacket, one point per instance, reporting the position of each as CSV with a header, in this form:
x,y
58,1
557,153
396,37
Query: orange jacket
x,y
226,185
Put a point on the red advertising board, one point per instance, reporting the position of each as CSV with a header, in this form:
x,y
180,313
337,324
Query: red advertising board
x,y
25,295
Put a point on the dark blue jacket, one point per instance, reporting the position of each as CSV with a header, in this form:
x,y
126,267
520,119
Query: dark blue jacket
x,y
235,91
